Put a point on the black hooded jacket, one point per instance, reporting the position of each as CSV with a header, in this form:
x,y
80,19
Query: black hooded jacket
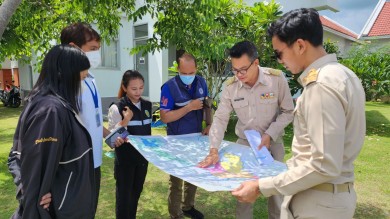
x,y
52,153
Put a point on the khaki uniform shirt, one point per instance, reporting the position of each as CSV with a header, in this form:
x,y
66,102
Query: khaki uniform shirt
x,y
329,130
266,107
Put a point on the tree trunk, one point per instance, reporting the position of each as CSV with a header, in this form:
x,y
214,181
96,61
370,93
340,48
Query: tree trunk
x,y
7,9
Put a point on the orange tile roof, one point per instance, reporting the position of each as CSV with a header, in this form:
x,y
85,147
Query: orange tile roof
x,y
327,22
381,25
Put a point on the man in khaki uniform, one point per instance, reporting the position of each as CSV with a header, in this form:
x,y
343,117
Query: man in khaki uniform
x,y
329,126
262,101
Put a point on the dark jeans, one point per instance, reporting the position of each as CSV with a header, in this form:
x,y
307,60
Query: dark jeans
x,y
129,183
98,176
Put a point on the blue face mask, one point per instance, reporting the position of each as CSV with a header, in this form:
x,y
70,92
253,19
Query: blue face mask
x,y
187,79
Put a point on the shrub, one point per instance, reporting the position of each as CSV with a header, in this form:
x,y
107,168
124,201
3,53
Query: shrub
x,y
295,87
373,69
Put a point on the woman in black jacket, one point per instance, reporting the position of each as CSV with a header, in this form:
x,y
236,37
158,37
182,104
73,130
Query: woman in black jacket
x,y
52,150
134,113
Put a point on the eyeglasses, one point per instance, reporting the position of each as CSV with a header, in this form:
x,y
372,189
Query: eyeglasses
x,y
278,54
242,71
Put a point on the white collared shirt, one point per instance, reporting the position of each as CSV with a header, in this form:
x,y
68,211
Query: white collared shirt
x,y
88,117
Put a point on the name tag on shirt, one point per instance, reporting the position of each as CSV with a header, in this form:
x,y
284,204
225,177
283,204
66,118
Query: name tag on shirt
x,y
97,116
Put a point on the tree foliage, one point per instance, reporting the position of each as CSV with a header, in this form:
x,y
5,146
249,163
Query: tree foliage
x,y
36,23
205,28
373,69
208,28
371,66
332,47
295,87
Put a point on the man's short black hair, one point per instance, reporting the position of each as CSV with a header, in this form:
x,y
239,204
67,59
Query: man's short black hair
x,y
303,23
244,47
79,33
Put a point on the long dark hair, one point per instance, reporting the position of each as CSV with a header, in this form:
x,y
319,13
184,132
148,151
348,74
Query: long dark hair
x,y
60,74
126,78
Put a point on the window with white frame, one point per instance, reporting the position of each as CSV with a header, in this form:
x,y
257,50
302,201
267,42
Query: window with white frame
x,y
110,54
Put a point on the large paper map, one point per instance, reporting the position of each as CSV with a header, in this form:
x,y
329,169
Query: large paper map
x,y
178,155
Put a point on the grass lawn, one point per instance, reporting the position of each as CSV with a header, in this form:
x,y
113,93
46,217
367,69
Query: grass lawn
x,y
372,175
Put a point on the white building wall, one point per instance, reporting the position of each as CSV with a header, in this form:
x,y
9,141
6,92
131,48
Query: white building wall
x,y
28,74
156,66
343,44
108,79
9,64
25,78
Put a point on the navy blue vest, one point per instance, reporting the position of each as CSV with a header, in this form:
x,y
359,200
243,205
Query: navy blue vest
x,y
140,124
192,121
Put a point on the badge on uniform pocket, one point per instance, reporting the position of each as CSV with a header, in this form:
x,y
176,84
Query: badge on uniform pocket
x,y
267,96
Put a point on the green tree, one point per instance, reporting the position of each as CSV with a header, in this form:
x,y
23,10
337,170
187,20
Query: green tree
x,y
36,23
208,28
332,47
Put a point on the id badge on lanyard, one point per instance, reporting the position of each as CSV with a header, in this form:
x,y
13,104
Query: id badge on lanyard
x,y
97,116
96,103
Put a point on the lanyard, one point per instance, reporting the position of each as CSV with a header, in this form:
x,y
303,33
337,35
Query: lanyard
x,y
94,95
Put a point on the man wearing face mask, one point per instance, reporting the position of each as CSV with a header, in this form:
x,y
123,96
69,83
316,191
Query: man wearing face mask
x,y
87,39
181,108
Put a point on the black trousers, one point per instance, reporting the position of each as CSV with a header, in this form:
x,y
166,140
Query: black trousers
x,y
129,183
98,176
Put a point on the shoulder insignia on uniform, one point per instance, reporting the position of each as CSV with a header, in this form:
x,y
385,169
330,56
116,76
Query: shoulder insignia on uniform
x,y
230,81
311,76
275,72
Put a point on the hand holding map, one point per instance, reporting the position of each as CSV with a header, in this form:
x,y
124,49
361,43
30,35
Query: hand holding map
x,y
263,155
179,155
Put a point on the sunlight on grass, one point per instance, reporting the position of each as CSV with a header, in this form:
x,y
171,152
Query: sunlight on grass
x,y
371,171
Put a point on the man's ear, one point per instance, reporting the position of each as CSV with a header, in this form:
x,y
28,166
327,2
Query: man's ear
x,y
302,46
256,62
73,44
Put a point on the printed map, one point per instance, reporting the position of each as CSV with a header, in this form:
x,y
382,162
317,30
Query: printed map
x,y
179,155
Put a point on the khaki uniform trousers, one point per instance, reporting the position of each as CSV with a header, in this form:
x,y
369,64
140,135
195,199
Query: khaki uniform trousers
x,y
175,204
316,204
245,210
